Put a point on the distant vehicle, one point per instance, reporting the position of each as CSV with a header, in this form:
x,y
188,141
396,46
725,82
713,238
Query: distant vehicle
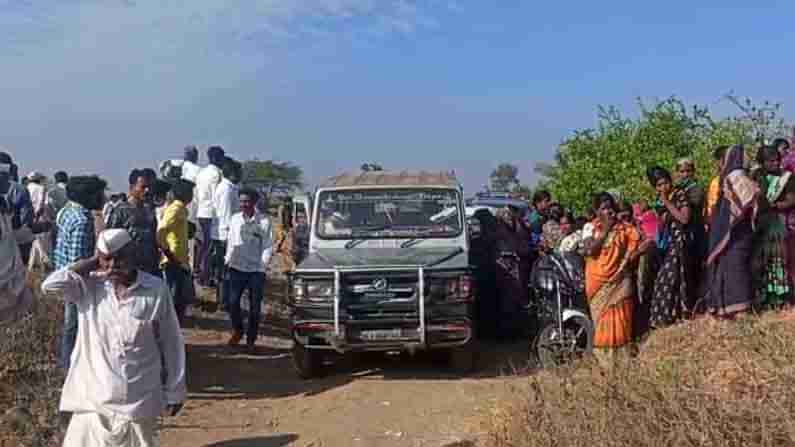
x,y
471,210
387,270
495,203
494,195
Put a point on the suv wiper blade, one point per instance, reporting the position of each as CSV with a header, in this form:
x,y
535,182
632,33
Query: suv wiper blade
x,y
422,235
412,242
357,235
353,242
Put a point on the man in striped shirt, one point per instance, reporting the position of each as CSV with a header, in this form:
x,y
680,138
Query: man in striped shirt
x,y
74,240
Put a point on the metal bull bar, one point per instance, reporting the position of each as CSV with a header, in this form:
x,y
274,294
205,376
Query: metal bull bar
x,y
420,299
337,283
420,295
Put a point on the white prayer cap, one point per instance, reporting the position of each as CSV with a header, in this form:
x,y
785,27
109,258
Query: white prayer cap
x,y
111,241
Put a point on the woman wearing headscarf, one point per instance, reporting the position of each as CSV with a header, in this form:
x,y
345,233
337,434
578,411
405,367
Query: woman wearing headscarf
x,y
713,192
483,255
669,299
513,266
731,239
694,229
773,285
611,254
786,152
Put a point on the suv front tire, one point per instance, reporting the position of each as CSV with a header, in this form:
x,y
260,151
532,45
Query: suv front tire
x,y
308,363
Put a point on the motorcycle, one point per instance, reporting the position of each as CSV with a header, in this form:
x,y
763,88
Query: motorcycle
x,y
566,331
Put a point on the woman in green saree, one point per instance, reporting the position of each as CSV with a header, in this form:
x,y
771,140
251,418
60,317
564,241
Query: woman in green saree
x,y
772,282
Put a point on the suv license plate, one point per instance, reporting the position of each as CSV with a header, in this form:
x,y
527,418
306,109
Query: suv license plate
x,y
381,335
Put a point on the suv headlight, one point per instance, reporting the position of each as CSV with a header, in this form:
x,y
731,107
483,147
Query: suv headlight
x,y
312,290
320,289
299,289
460,288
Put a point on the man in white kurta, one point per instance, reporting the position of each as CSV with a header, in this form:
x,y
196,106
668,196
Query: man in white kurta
x,y
128,364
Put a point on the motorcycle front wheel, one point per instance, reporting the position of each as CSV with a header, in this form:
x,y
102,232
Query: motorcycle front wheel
x,y
553,348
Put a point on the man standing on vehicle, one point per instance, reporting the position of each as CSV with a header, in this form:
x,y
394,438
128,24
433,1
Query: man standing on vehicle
x,y
206,183
190,172
226,204
248,252
129,360
190,167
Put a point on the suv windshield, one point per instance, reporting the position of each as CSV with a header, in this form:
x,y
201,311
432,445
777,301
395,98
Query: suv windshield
x,y
389,213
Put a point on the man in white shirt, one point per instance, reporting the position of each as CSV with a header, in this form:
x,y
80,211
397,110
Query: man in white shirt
x,y
248,252
190,172
40,251
190,167
226,204
128,364
206,183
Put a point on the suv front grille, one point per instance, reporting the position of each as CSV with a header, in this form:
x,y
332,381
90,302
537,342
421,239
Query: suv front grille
x,y
382,295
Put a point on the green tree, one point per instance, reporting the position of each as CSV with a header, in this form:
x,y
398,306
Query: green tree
x,y
273,173
505,177
616,154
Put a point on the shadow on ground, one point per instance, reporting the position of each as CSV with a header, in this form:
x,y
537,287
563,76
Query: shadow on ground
x,y
218,371
259,441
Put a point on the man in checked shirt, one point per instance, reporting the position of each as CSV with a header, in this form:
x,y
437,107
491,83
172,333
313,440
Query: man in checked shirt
x,y
75,240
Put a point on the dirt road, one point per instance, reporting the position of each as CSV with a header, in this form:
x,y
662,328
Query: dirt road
x,y
238,399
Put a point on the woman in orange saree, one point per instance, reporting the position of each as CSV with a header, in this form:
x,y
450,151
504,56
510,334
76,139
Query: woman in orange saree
x,y
611,255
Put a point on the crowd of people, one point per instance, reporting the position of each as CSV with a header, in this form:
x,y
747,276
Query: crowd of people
x,y
124,266
722,251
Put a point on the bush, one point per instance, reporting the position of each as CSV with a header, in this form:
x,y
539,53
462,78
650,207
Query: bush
x,y
705,383
30,382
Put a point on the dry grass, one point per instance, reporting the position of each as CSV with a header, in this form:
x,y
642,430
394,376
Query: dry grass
x,y
704,383
30,383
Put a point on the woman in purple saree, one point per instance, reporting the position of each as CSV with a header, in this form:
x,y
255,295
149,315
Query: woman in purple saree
x,y
731,238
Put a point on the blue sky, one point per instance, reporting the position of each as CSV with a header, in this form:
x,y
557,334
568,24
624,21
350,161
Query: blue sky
x,y
103,86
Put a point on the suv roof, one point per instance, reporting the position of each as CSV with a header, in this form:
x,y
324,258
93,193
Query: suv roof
x,y
393,178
